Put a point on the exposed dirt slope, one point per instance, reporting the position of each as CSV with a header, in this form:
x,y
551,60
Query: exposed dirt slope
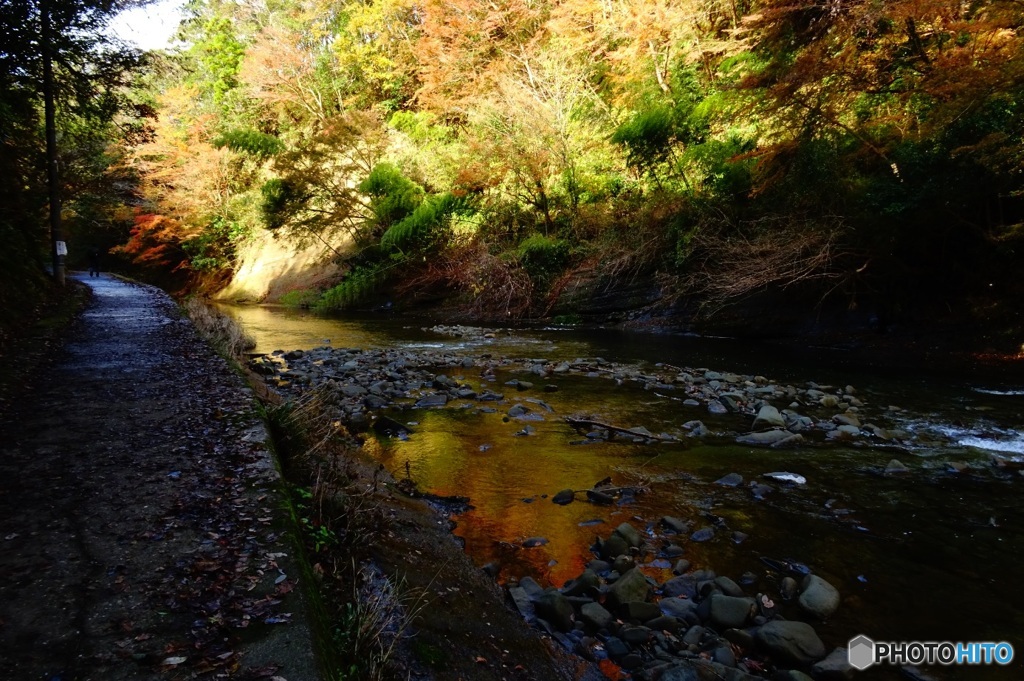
x,y
270,266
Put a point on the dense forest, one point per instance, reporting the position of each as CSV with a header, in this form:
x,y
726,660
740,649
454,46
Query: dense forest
x,y
517,156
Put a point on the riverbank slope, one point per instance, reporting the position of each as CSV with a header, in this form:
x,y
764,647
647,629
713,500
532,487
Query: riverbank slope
x,y
912,326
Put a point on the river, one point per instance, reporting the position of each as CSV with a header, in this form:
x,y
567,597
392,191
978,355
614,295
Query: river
x,y
931,554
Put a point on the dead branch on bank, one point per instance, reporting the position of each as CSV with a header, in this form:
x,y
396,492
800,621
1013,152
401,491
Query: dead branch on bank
x,y
729,268
494,288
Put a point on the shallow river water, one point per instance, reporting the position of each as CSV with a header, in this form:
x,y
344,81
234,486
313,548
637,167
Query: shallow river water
x,y
928,555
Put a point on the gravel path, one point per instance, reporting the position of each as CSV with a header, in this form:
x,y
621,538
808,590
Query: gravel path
x,y
140,532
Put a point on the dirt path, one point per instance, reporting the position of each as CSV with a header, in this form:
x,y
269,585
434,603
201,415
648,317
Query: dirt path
x,y
139,533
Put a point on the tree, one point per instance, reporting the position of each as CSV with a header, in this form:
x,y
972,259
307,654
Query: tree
x,y
536,129
55,56
314,193
908,111
217,46
374,50
282,73
460,40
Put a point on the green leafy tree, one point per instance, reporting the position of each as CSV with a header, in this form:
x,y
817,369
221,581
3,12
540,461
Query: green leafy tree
x,y
63,83
217,52
393,197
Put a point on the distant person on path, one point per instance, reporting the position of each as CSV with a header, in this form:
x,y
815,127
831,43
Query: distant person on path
x,y
94,262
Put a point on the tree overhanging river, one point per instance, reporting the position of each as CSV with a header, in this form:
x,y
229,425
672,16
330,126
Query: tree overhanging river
x,y
929,553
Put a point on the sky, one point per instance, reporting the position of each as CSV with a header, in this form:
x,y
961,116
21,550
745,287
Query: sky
x,y
151,27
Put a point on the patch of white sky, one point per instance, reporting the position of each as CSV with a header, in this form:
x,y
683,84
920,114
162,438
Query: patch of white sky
x,y
151,27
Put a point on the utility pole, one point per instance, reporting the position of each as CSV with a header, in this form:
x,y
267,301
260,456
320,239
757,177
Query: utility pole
x,y
57,245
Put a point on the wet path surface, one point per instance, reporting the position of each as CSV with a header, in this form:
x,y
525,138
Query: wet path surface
x,y
139,536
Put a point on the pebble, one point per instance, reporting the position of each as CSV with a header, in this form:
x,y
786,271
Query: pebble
x,y
676,525
703,534
730,480
564,497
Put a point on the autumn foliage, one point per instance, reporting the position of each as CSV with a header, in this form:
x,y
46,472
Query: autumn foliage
x,y
862,153
155,243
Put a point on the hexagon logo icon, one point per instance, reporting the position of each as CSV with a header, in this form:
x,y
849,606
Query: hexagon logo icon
x,y
861,652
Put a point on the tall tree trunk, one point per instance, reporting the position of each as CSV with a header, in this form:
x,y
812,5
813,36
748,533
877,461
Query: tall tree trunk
x,y
52,177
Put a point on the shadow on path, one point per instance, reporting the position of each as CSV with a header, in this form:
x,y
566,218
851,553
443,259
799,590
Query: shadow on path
x,y
140,536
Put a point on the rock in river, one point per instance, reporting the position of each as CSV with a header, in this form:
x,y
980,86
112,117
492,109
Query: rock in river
x,y
764,439
785,476
896,467
769,417
612,547
595,617
435,400
730,480
388,426
788,588
629,533
835,667
588,582
703,534
556,609
716,407
730,612
794,642
847,419
566,496
631,586
818,597
675,524
642,611
683,585
728,586
682,608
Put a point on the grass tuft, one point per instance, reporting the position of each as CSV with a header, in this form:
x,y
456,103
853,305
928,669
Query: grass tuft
x,y
220,330
367,614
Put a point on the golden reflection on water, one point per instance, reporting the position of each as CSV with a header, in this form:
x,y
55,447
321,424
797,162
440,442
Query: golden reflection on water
x,y
280,328
509,480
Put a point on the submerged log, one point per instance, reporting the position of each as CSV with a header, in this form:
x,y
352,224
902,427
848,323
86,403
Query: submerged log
x,y
588,424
